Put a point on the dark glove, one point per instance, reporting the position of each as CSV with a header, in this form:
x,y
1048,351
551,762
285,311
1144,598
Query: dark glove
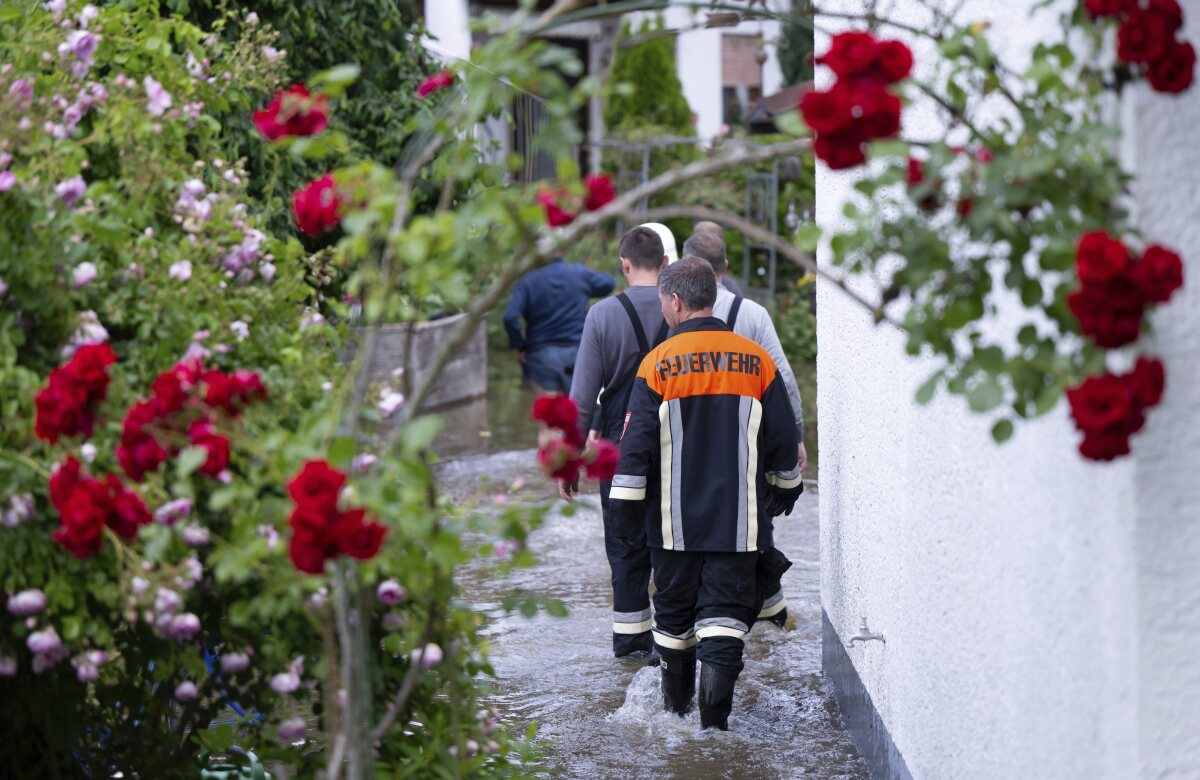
x,y
780,502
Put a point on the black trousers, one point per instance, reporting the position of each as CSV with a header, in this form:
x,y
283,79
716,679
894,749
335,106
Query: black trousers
x,y
630,567
702,603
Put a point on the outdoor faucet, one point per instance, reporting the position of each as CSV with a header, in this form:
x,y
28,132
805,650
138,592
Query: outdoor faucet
x,y
864,634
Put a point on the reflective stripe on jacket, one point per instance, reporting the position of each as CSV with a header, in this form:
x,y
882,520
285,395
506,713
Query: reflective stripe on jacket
x,y
710,431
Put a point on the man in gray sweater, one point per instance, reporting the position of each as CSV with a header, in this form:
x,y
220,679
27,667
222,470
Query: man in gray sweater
x,y
749,319
617,334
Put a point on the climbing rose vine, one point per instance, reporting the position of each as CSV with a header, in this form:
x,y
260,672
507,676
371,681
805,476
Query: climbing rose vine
x,y
989,204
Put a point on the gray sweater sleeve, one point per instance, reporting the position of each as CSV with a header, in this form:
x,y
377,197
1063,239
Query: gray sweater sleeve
x,y
754,322
588,379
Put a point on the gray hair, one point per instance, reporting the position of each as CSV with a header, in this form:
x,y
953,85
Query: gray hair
x,y
709,247
692,280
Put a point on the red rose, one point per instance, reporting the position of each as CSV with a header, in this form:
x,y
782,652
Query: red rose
x,y
139,455
916,171
1100,258
293,112
317,485
599,192
1159,273
1104,445
965,206
171,391
306,556
851,54
62,409
602,460
357,538
127,512
1098,8
893,61
250,386
840,150
828,112
880,113
1102,317
201,435
1170,12
556,216
63,480
1174,71
435,82
560,460
1143,37
139,452
89,368
316,206
83,517
556,410
1100,402
312,522
1146,381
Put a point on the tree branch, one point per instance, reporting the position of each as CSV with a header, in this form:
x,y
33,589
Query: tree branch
x,y
549,246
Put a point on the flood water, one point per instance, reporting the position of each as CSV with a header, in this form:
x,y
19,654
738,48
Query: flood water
x,y
600,717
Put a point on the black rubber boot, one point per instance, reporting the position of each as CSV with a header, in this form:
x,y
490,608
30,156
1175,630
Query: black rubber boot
x,y
779,618
678,682
716,697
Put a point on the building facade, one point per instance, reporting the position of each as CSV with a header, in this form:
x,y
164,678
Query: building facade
x,y
724,70
1039,612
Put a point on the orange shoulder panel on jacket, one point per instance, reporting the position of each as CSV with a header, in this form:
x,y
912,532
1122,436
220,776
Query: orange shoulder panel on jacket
x,y
707,362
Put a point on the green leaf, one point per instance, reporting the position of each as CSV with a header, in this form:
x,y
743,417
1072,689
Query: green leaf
x,y
990,359
189,460
419,432
9,12
808,236
962,311
985,396
928,388
1002,431
341,450
790,123
335,80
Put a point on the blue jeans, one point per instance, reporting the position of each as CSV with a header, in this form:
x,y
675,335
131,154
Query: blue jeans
x,y
550,367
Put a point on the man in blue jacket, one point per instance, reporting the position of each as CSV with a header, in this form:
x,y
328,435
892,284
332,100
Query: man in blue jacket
x,y
553,301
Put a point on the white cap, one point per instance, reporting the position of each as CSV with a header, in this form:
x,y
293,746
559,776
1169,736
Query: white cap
x,y
668,240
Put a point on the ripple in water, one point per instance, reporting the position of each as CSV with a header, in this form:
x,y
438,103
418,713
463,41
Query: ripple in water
x,y
601,717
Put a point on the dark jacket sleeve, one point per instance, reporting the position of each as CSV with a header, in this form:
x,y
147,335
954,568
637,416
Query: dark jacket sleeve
x,y
513,314
599,284
779,443
636,466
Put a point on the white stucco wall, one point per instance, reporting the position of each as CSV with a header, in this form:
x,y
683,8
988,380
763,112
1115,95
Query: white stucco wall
x,y
1167,194
1040,612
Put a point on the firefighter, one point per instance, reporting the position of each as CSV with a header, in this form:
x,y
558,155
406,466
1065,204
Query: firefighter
x,y
709,453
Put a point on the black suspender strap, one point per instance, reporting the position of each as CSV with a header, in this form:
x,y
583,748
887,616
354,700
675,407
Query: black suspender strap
x,y
643,346
731,320
636,322
661,336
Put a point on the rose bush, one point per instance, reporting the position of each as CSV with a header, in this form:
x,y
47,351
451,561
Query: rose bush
x,y
164,376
